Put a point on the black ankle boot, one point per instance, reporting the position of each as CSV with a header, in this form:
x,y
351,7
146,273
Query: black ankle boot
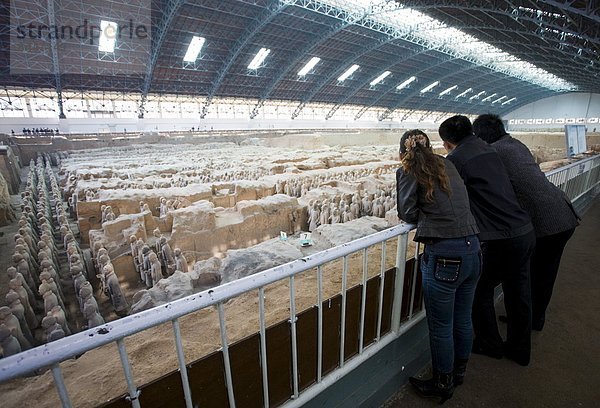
x,y
460,368
441,385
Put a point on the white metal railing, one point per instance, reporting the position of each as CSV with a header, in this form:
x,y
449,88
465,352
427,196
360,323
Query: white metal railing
x,y
576,179
52,354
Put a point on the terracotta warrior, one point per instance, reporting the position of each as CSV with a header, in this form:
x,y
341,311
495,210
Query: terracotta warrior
x,y
14,302
10,345
11,321
180,261
52,328
114,289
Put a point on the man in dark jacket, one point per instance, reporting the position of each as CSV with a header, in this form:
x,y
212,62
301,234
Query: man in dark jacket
x,y
551,211
507,238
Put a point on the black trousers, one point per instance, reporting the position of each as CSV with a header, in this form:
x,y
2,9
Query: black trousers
x,y
544,268
506,262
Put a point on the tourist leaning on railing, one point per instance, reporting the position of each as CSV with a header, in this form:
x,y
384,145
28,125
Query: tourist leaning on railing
x,y
507,242
431,194
552,214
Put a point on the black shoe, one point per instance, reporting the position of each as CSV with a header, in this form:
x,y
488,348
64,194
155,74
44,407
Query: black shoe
x,y
520,357
440,386
538,324
460,368
479,348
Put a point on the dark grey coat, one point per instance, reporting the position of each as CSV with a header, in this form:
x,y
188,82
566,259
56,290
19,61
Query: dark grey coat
x,y
548,206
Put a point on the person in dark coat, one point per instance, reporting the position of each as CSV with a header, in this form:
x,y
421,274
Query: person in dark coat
x,y
552,214
507,238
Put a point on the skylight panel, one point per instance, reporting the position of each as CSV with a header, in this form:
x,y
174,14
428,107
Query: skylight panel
x,y
430,87
433,34
447,91
348,72
108,36
509,101
380,78
499,99
477,96
487,98
464,93
194,49
309,65
259,58
406,83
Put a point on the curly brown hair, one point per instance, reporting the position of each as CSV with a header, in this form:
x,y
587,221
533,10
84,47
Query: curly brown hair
x,y
418,159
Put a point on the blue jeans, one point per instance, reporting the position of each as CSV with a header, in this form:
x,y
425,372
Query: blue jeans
x,y
449,290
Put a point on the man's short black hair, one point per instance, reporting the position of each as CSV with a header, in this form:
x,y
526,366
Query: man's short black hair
x,y
455,129
489,127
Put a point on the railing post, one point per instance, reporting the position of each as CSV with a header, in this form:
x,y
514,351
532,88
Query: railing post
x,y
263,346
182,367
60,386
399,281
381,289
343,318
225,345
134,393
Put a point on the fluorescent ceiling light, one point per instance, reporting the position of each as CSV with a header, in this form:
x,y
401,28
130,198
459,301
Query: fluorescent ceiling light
x,y
259,58
194,49
380,78
509,101
499,99
108,36
447,91
476,96
348,72
430,87
464,93
487,98
406,83
309,65
400,21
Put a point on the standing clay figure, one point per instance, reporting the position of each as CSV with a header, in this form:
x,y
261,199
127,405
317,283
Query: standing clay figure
x,y
23,268
314,217
12,273
355,207
94,318
180,261
14,302
11,321
52,329
50,299
163,207
325,213
335,216
146,277
367,205
158,235
17,287
114,289
166,256
87,296
45,277
59,315
10,345
140,259
155,268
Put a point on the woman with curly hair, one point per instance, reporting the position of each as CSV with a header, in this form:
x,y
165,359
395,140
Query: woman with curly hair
x,y
431,194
